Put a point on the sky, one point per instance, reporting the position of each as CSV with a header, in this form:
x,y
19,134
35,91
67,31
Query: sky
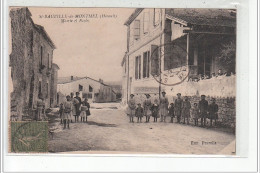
x,y
94,48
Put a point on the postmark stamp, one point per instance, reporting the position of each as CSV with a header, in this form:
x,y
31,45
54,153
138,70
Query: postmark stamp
x,y
29,136
180,73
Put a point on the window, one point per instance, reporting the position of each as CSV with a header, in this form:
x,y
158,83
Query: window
x,y
146,22
40,87
90,95
80,87
146,64
90,89
47,90
136,29
155,60
156,17
41,57
138,67
49,61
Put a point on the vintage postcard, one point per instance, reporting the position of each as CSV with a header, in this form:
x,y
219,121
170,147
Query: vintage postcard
x,y
122,80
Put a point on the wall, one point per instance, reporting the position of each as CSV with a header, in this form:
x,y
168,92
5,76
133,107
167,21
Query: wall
x,y
104,92
24,62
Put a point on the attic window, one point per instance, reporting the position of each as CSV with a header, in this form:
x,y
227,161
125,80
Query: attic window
x,y
136,29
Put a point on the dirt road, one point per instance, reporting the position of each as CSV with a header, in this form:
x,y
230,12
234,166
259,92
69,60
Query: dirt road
x,y
108,130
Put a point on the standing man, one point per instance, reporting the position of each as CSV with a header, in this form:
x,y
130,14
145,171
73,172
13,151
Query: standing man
x,y
178,107
186,109
74,106
147,107
203,108
78,105
164,103
213,111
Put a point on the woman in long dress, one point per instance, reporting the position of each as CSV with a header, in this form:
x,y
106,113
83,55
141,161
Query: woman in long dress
x,y
147,107
164,103
131,108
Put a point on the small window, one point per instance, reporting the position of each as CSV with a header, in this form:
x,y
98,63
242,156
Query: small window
x,y
90,89
80,88
47,90
41,56
40,87
49,61
136,29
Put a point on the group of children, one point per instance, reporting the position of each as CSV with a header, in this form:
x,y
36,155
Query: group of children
x,y
181,109
74,107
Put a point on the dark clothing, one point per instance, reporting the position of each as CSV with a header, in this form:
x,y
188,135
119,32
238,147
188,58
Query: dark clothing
x,y
178,108
77,106
203,107
139,112
155,110
85,103
213,111
171,111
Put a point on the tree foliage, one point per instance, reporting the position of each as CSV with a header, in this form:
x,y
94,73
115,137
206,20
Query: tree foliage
x,y
227,56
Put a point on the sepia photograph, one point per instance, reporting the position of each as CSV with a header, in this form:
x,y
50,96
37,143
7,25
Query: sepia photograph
x,y
122,80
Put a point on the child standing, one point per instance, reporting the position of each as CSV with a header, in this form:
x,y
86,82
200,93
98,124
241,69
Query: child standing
x,y
213,111
67,111
61,111
195,113
186,109
155,110
139,112
171,112
86,104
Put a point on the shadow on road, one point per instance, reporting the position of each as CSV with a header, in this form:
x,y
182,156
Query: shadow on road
x,y
101,124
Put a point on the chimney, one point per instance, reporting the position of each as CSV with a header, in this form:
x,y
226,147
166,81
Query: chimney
x,y
100,80
71,78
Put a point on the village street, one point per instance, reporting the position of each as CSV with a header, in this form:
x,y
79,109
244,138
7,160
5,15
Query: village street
x,y
108,130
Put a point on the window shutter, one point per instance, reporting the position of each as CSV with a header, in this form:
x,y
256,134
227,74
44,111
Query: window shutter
x,y
156,19
155,60
136,29
136,67
144,64
148,63
139,67
146,22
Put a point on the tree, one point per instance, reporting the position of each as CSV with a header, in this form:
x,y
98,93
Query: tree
x,y
227,56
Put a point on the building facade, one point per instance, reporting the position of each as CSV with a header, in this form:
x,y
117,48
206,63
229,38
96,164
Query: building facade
x,y
94,90
169,49
31,62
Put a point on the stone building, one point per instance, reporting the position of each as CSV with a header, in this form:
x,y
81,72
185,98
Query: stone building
x,y
176,50
31,62
94,90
